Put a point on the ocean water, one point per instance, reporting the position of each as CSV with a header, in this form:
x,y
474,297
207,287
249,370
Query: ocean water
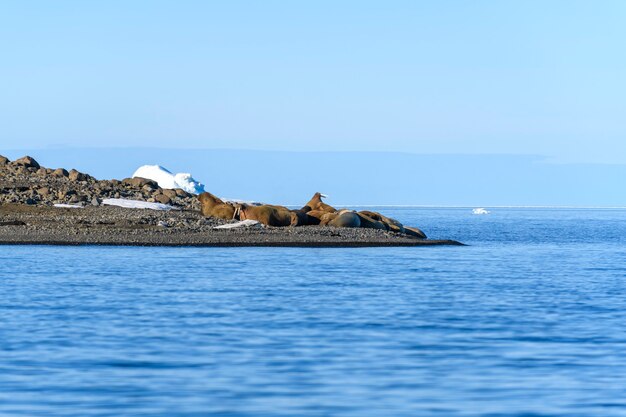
x,y
527,320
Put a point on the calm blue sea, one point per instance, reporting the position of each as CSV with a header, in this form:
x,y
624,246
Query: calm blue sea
x,y
528,320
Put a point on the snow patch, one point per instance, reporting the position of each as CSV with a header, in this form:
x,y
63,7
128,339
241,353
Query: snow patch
x,y
167,180
120,202
61,205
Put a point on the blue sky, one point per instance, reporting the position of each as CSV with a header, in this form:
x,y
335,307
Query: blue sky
x,y
425,77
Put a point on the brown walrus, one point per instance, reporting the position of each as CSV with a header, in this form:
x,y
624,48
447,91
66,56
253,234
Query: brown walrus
x,y
316,204
268,215
304,219
346,219
415,232
315,213
391,224
212,206
342,218
369,223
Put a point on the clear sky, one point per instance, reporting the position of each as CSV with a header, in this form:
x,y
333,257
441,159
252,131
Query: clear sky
x,y
482,77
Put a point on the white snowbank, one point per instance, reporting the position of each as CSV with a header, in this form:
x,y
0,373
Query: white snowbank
x,y
480,210
120,202
243,223
166,179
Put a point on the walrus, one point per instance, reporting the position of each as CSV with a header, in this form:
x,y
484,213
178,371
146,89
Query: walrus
x,y
345,218
415,232
342,218
212,206
316,203
369,223
268,215
304,219
391,224
315,213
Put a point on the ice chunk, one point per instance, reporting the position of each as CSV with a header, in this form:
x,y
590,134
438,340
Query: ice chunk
x,y
166,179
480,210
243,223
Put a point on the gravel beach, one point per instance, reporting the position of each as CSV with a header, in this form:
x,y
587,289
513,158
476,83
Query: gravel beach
x,y
22,224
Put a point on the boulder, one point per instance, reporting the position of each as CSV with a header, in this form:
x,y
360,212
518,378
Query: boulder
x,y
162,198
181,193
76,176
4,160
170,193
27,162
60,172
139,182
43,191
148,188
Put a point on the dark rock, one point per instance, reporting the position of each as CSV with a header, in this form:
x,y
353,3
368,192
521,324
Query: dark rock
x,y
60,172
170,193
162,198
27,162
43,191
77,176
181,193
12,223
139,182
4,160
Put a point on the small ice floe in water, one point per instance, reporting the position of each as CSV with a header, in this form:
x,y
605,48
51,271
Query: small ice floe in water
x,y
166,179
480,210
60,205
243,223
120,202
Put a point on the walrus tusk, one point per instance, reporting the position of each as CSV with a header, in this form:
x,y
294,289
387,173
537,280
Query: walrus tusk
x,y
323,195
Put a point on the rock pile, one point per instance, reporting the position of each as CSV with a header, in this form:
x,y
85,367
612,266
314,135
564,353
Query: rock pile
x,y
25,181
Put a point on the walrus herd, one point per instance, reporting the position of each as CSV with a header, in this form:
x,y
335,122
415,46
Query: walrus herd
x,y
313,213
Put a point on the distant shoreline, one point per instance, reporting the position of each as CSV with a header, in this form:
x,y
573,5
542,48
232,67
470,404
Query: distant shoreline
x,y
40,205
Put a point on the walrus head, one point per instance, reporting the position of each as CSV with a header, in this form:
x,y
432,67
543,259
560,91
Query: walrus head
x,y
316,203
240,211
209,199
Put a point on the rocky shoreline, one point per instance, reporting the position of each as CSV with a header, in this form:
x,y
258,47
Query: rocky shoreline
x,y
28,193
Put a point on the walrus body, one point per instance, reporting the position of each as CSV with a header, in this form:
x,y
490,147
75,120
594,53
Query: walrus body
x,y
212,206
345,219
315,212
316,204
268,215
369,223
304,219
415,232
389,223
